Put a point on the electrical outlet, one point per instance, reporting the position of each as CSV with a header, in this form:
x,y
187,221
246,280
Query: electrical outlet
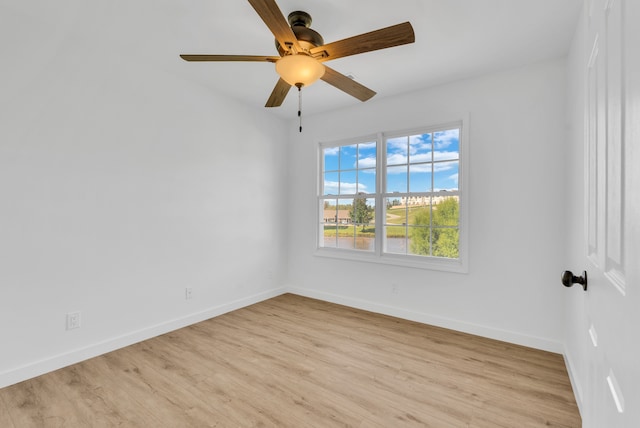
x,y
73,320
188,293
395,288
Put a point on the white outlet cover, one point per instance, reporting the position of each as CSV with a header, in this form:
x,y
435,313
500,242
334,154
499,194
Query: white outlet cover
x,y
73,320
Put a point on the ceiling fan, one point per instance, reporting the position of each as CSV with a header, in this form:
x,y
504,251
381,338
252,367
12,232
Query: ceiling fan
x,y
302,52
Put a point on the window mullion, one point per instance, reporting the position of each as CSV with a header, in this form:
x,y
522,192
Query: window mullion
x,y
406,210
433,175
381,183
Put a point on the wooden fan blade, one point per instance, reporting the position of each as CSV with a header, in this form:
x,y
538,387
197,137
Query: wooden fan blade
x,y
396,35
275,20
347,85
278,94
258,58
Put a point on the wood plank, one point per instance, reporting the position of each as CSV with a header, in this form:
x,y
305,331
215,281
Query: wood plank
x,y
38,403
293,361
5,419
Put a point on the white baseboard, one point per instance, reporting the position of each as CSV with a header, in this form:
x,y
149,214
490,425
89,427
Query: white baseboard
x,y
73,356
425,318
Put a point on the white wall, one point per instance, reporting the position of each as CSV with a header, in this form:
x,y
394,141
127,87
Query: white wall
x,y
119,187
517,138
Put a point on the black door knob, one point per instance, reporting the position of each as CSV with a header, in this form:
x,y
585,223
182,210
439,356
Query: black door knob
x,y
568,279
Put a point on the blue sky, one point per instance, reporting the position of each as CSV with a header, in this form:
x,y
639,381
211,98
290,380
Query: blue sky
x,y
411,162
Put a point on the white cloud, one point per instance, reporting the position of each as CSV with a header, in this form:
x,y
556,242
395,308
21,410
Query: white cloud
x,y
333,187
396,159
439,167
369,162
422,157
441,155
443,139
419,144
397,144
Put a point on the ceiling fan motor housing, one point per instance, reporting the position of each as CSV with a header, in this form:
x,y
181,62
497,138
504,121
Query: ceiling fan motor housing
x,y
307,38
299,18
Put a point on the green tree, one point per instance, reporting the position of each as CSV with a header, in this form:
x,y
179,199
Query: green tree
x,y
442,238
445,240
446,213
421,236
361,213
446,243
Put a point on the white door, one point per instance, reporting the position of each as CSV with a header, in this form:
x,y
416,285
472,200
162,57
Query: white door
x,y
612,211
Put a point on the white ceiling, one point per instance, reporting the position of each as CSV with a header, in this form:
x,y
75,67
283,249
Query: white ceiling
x,y
455,39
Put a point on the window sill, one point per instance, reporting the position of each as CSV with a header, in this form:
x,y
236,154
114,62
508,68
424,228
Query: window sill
x,y
417,262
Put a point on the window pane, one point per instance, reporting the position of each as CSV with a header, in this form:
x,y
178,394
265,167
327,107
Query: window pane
x,y
445,176
395,229
419,213
365,238
331,158
397,179
362,211
420,148
420,240
345,226
331,183
367,181
445,243
397,151
345,207
396,210
367,155
329,211
329,227
396,239
330,235
348,183
371,202
447,144
446,211
348,157
420,178
346,237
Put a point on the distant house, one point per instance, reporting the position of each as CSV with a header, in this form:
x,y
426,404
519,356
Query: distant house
x,y
340,216
425,200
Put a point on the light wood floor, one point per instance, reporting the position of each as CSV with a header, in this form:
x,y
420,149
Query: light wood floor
x,y
297,362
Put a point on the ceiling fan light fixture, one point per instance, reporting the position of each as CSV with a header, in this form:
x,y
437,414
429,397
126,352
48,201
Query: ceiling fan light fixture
x,y
299,69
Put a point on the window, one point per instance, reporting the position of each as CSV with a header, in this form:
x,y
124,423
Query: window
x,y
395,198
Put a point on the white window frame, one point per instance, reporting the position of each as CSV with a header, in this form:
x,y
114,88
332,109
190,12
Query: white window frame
x,y
459,265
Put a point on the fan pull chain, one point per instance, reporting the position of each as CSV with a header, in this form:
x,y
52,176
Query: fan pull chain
x,y
299,85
